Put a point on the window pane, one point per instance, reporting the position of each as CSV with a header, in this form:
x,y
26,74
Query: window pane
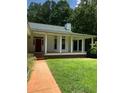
x,y
55,43
87,44
80,45
63,43
75,45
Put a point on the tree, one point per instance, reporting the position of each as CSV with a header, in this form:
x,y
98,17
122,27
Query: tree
x,y
40,13
47,8
33,12
84,20
50,12
61,13
88,2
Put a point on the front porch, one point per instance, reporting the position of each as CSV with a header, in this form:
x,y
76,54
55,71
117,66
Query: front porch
x,y
57,44
57,40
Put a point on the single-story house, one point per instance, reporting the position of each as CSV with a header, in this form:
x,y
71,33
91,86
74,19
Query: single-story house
x,y
56,40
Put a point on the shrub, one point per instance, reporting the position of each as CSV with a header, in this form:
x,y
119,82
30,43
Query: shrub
x,y
30,63
92,52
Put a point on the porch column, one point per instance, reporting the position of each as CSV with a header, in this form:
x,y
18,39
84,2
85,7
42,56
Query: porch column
x,y
71,44
60,45
45,43
92,42
83,45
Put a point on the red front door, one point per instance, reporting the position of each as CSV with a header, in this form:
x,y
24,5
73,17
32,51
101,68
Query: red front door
x,y
38,45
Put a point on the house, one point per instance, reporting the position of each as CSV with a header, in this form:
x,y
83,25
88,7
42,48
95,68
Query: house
x,y
56,40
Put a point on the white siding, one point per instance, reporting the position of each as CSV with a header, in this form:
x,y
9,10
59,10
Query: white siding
x,y
66,44
30,44
50,44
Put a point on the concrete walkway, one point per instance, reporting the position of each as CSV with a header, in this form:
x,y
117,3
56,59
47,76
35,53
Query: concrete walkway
x,y
41,80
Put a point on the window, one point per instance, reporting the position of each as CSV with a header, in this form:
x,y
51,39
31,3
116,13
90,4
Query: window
x,y
55,43
87,44
75,45
80,45
63,42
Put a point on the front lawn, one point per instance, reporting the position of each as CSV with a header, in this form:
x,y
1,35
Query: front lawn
x,y
74,75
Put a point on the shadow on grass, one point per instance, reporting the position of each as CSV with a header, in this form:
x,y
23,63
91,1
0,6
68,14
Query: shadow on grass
x,y
42,57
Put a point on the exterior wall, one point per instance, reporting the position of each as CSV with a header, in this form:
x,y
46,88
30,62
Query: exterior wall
x,y
48,32
30,46
69,44
50,43
35,36
66,44
83,42
29,40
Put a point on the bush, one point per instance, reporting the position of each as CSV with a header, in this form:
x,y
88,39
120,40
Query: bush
x,y
92,52
30,63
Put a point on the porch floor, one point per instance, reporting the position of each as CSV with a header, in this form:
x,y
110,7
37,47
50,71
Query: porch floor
x,y
66,53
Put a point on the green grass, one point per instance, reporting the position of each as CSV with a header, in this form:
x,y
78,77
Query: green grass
x,y
30,64
76,75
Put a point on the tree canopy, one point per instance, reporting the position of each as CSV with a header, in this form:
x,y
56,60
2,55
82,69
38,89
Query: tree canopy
x,y
83,18
40,13
60,14
46,11
34,12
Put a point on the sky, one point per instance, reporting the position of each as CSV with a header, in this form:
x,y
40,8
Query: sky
x,y
72,3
